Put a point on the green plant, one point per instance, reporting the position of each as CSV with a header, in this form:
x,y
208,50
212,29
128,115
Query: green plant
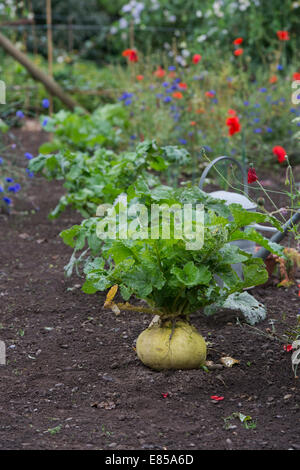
x,y
101,177
173,279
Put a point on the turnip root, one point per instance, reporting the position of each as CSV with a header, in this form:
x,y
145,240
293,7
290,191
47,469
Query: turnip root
x,y
171,345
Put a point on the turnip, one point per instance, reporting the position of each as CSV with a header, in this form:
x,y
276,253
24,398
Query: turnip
x,y
171,345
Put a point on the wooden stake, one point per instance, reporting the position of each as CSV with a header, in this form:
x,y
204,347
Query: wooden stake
x,y
50,46
53,87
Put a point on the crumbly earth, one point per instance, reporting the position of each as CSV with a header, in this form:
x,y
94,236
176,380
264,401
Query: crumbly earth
x,y
73,380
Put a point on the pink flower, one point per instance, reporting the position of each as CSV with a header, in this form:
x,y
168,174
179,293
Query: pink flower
x,y
288,347
165,395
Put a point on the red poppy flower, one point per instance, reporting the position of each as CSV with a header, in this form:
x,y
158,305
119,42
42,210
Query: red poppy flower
x,y
196,58
140,77
238,41
283,35
238,52
178,95
288,347
183,86
252,176
131,54
160,72
232,112
165,395
209,94
296,76
273,79
216,398
280,153
234,125
193,123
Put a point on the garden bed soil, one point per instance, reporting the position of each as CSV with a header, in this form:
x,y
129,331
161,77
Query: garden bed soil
x,y
73,380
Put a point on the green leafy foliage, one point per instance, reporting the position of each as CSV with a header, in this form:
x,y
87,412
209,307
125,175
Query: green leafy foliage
x,y
163,272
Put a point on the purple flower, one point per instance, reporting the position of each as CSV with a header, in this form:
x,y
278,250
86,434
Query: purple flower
x,y
167,99
172,68
28,155
256,119
1,189
127,102
9,180
182,141
269,129
1,160
133,137
45,103
45,122
263,90
279,67
257,130
7,200
207,148
215,100
246,103
165,84
20,114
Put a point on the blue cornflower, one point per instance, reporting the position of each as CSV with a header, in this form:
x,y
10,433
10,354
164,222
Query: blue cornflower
x,y
125,95
28,155
263,90
257,105
133,137
215,100
167,99
246,103
7,200
1,160
212,92
279,67
159,95
20,114
293,110
30,173
1,189
177,80
282,100
257,130
298,124
207,148
45,122
182,141
9,180
256,119
172,68
229,79
15,188
165,84
45,103
269,129
127,102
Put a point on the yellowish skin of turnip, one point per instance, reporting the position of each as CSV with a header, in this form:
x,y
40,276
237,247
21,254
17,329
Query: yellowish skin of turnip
x,y
171,345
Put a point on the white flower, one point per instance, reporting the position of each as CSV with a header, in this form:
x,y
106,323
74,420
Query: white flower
x,y
199,14
201,38
185,53
123,23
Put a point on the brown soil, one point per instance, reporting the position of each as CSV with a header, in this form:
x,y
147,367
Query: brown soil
x,y
72,378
